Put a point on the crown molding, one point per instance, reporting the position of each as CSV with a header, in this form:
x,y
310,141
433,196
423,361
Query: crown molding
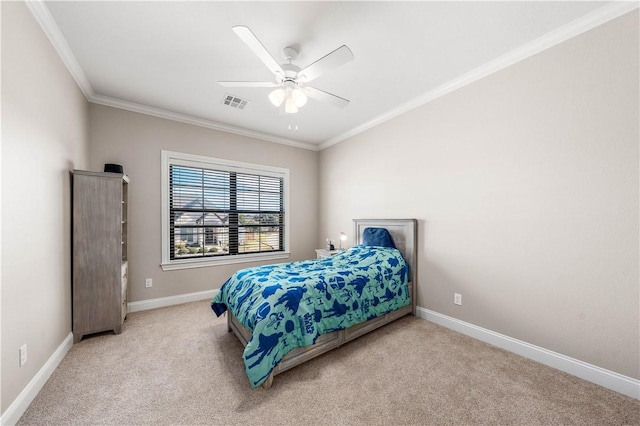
x,y
40,11
195,121
42,15
589,21
566,32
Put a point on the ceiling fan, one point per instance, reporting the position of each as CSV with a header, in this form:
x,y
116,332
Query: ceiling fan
x,y
290,80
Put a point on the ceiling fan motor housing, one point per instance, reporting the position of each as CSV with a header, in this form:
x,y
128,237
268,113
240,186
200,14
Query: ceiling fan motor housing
x,y
290,73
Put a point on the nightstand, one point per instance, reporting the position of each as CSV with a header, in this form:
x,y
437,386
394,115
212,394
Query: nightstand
x,y
322,253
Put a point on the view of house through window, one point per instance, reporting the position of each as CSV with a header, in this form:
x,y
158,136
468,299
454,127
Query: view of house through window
x,y
223,213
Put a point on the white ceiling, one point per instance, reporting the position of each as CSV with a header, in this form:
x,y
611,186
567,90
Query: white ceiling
x,y
165,58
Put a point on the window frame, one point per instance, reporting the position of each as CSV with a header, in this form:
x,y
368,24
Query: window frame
x,y
191,160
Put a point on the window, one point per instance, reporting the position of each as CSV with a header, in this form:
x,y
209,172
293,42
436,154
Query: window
x,y
218,211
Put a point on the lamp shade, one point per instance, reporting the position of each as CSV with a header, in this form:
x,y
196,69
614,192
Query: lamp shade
x,y
299,97
343,237
290,106
276,97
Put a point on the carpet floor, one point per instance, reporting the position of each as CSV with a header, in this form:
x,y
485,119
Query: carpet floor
x,y
179,365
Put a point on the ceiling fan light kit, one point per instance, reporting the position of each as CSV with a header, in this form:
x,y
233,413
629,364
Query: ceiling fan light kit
x,y
292,97
276,97
290,79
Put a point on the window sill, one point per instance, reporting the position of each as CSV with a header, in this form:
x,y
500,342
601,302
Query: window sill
x,y
223,260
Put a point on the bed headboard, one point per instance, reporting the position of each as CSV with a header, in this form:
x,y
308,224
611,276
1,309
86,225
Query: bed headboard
x,y
404,234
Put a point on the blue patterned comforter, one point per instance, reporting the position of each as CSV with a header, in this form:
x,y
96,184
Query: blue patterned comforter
x,y
289,305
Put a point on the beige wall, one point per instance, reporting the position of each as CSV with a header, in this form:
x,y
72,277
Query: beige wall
x,y
136,140
525,185
44,135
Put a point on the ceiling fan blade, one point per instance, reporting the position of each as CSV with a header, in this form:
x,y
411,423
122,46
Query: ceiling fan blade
x,y
338,57
257,48
323,96
248,84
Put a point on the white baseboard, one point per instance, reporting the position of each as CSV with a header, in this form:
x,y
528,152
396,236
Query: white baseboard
x,y
608,379
21,403
591,373
162,302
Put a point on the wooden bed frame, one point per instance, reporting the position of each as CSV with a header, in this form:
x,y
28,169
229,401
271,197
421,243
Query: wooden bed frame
x,y
404,233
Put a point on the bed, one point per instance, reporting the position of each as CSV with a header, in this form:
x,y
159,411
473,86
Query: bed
x,y
321,303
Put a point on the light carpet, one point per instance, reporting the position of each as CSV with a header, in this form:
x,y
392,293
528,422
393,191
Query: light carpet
x,y
179,365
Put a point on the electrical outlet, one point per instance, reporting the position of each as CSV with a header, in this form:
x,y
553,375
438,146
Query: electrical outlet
x,y
457,298
23,354
148,283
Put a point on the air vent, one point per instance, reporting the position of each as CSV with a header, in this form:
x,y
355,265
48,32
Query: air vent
x,y
234,101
